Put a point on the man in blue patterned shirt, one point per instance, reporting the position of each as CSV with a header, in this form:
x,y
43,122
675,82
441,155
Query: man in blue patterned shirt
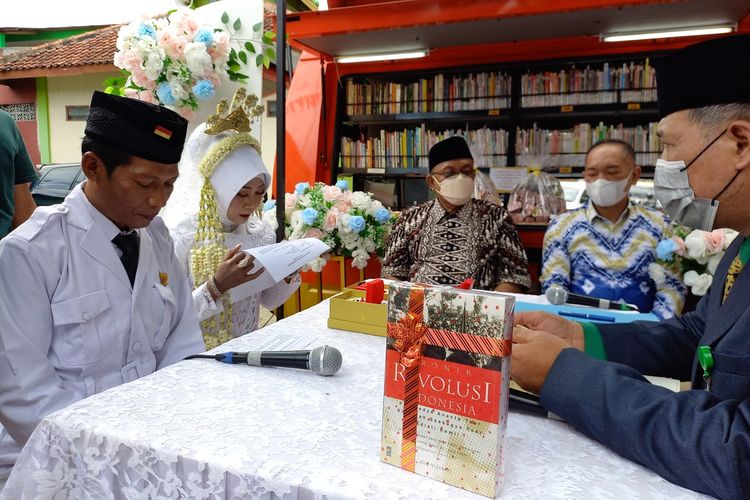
x,y
604,248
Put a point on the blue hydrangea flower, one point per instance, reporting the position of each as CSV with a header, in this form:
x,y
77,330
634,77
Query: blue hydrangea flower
x,y
269,205
204,36
204,90
357,223
164,93
342,185
309,215
300,187
382,215
146,30
665,249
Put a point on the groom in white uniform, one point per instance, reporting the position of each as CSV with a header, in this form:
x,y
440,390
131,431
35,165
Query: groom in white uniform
x,y
92,293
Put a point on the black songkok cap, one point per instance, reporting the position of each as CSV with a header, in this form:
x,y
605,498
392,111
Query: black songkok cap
x,y
451,148
136,127
712,72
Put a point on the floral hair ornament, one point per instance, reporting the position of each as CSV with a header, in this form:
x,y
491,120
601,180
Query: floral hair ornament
x,y
231,125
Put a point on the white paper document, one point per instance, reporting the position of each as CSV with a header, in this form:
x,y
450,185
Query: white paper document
x,y
284,258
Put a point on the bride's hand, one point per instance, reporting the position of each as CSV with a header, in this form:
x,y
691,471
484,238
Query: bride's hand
x,y
235,270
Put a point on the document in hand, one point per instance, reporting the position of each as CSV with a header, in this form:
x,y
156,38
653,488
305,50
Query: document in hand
x,y
279,261
284,258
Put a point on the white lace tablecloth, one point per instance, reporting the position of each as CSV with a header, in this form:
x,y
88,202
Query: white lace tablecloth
x,y
207,430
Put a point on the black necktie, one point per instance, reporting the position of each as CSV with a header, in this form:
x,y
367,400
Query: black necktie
x,y
128,245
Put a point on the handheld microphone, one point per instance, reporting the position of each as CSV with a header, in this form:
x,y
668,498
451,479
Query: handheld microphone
x,y
557,295
323,360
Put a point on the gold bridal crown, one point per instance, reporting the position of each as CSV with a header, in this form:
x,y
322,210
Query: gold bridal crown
x,y
243,111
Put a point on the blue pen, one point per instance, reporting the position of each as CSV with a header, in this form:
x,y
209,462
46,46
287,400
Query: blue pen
x,y
592,317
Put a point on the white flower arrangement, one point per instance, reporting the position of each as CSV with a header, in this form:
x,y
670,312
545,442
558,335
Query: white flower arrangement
x,y
177,62
698,253
351,223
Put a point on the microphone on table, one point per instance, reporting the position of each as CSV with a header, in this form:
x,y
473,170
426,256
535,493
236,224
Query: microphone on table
x,y
558,295
323,360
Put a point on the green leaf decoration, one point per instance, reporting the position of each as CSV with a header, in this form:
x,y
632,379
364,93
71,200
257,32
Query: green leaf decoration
x,y
235,67
243,57
225,18
232,54
241,76
266,61
237,24
250,47
257,27
270,52
269,36
259,60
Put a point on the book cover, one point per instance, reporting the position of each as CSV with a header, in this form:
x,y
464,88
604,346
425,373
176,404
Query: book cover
x,y
446,384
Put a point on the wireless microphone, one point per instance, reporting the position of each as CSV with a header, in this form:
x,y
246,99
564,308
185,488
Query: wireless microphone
x,y
323,360
557,295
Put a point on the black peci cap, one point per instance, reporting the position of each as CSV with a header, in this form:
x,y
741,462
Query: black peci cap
x,y
704,74
451,148
135,127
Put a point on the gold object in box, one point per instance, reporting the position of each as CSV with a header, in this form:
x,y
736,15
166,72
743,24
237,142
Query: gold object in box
x,y
346,313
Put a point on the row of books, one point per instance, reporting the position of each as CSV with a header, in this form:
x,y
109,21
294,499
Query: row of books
x,y
441,93
408,148
544,147
631,76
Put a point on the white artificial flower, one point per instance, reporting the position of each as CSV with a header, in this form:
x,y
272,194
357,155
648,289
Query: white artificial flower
x,y
656,272
305,200
197,59
370,245
317,264
698,283
729,237
343,225
374,207
270,217
695,243
153,64
361,200
144,45
713,262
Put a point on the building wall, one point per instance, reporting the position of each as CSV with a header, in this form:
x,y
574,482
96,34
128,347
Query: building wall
x,y
23,91
65,136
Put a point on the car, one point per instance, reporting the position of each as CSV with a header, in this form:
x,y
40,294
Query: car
x,y
640,194
55,182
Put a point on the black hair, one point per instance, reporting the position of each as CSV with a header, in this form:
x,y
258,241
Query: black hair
x,y
111,157
626,148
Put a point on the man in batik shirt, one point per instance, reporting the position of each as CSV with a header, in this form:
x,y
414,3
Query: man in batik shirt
x,y
604,248
454,237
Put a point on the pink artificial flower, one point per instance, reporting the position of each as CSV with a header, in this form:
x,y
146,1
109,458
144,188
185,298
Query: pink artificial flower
x,y
176,47
332,193
139,77
130,61
714,241
221,39
214,78
680,246
186,113
331,219
132,93
342,206
147,97
164,38
314,232
186,25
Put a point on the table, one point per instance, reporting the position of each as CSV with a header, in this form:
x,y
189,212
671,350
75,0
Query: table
x,y
203,429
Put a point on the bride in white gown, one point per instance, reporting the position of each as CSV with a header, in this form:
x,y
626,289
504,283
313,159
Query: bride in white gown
x,y
214,212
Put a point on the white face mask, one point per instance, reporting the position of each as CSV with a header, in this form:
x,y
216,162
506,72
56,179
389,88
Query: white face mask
x,y
457,190
672,189
604,193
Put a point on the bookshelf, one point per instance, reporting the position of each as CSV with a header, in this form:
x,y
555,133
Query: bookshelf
x,y
518,114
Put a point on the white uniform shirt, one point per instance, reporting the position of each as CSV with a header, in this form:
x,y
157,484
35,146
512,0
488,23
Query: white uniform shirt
x,y
71,325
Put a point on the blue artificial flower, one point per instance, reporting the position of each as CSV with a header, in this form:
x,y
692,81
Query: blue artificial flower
x,y
146,30
357,223
269,205
382,215
300,187
164,93
665,249
309,215
204,90
204,36
342,185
